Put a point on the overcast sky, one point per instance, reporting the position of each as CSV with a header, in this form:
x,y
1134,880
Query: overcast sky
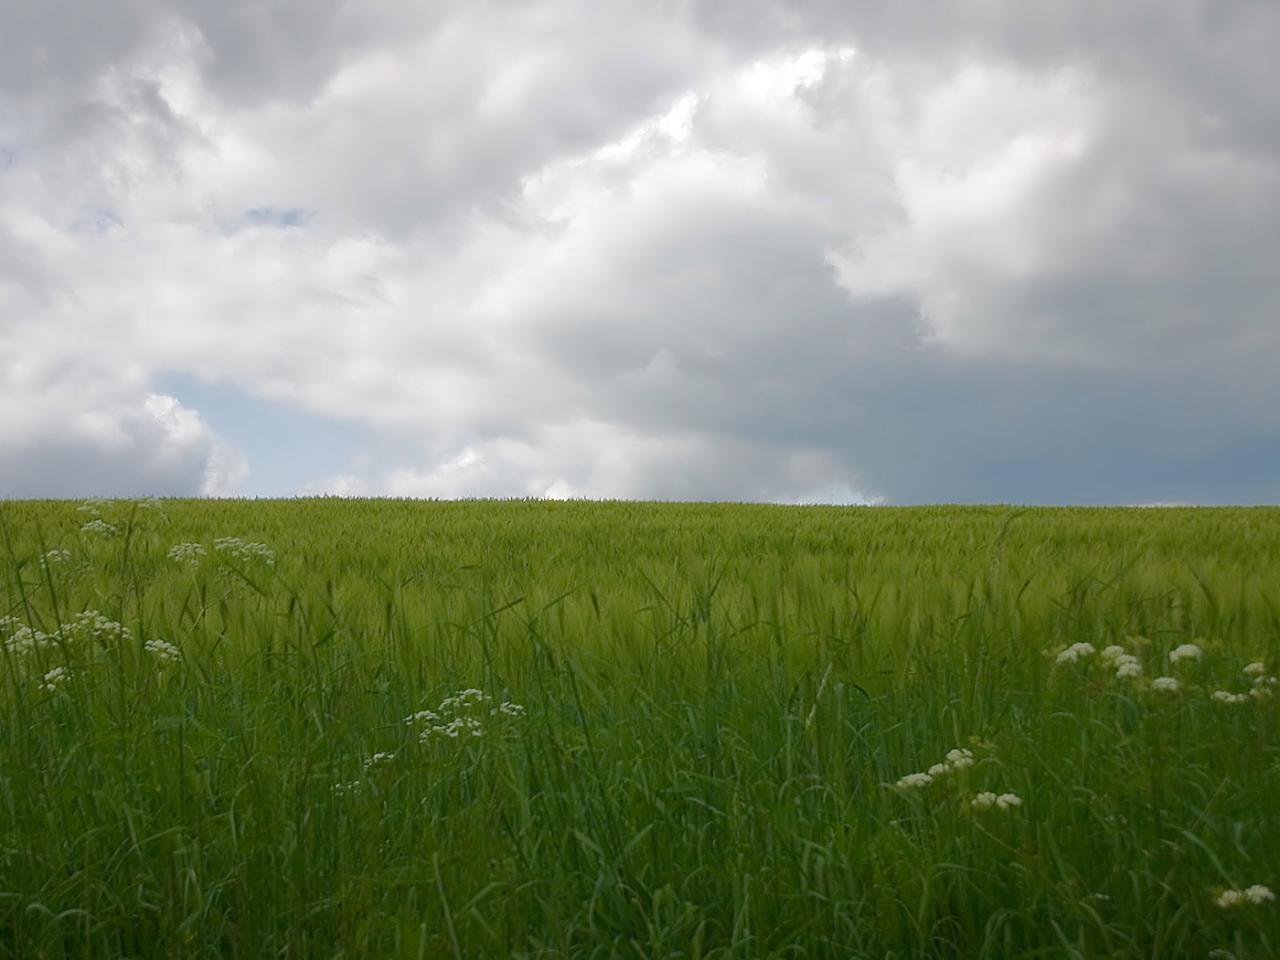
x,y
846,252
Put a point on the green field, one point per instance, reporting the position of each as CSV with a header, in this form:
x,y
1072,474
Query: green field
x,y
533,729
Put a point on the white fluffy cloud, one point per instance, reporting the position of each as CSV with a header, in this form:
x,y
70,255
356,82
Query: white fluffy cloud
x,y
570,249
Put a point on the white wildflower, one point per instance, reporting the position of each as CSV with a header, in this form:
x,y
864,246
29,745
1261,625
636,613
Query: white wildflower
x,y
1255,669
1113,653
1226,696
93,625
454,729
1074,652
1265,682
464,699
343,789
1261,693
1007,801
25,639
244,550
1127,667
959,758
939,770
56,557
162,650
984,801
1165,685
1258,894
507,708
188,553
54,679
99,528
1185,651
379,759
93,506
422,716
915,781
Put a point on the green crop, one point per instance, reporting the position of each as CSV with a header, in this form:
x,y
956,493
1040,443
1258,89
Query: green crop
x,y
338,728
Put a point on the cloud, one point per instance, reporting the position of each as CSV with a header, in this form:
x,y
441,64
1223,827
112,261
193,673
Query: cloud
x,y
88,440
767,251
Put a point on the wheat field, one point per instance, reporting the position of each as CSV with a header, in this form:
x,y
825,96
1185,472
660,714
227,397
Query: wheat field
x,y
346,728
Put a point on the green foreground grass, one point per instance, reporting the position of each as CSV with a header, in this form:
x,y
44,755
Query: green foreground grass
x,y
684,735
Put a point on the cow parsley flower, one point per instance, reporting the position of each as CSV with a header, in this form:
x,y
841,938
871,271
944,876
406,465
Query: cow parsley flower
x,y
1076,651
1000,801
1185,651
99,528
378,759
1127,667
25,639
1226,696
422,716
56,557
959,758
1255,669
1112,653
1165,685
1255,895
93,506
1264,688
462,714
244,550
188,553
54,679
914,781
162,650
93,625
939,770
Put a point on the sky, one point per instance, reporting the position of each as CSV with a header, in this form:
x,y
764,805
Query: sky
x,y
764,250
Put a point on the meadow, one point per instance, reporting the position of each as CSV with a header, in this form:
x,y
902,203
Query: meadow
x,y
341,728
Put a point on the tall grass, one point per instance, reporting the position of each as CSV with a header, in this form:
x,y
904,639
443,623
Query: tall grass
x,y
718,704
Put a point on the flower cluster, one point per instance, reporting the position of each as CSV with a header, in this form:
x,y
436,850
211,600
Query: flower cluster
x,y
188,553
90,624
467,713
244,550
1076,652
1125,664
93,506
24,639
1257,894
1226,696
55,557
99,528
957,759
1262,684
162,650
1003,801
54,679
1185,651
1165,685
